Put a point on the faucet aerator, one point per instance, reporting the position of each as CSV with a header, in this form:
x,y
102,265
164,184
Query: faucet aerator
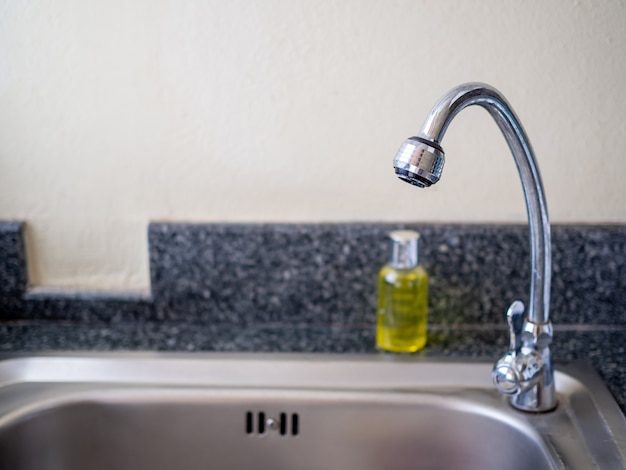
x,y
412,178
419,162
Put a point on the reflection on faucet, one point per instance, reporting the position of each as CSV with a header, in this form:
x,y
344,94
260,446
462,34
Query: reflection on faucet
x,y
525,372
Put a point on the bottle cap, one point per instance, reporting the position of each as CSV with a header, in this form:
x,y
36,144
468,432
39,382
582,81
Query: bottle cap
x,y
404,249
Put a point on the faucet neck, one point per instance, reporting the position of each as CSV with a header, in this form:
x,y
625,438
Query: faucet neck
x,y
490,99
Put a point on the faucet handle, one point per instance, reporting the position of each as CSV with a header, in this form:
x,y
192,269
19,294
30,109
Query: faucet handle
x,y
515,319
516,371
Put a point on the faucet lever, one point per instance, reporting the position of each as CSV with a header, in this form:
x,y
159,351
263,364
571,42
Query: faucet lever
x,y
519,368
515,319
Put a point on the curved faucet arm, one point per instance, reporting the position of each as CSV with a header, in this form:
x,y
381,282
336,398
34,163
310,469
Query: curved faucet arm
x,y
489,98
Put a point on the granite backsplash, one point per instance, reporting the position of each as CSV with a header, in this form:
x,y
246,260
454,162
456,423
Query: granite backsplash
x,y
325,275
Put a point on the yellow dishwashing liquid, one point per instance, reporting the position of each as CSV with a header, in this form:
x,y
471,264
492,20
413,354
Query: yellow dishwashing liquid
x,y
402,315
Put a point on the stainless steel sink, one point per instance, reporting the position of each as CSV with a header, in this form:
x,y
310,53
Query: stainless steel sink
x,y
215,411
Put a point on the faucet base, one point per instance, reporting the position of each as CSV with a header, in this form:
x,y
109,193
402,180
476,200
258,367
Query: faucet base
x,y
526,373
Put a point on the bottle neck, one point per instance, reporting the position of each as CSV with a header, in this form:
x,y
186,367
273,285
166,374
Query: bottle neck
x,y
404,249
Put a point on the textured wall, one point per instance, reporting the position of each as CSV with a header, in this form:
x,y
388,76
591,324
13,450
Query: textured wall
x,y
116,113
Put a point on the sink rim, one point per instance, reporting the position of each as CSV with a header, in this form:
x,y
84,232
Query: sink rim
x,y
579,387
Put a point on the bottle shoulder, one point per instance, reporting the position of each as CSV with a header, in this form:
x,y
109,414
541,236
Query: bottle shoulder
x,y
390,274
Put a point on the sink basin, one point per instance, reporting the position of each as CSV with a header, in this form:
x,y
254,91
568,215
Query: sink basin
x,y
223,411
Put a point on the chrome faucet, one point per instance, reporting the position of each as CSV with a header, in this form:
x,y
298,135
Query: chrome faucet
x,y
525,373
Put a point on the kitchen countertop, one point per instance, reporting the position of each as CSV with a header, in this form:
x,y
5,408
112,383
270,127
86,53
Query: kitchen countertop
x,y
312,288
603,348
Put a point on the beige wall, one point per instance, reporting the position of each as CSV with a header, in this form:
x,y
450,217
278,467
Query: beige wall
x,y
114,113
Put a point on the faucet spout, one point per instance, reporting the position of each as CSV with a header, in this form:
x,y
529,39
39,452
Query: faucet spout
x,y
420,162
416,151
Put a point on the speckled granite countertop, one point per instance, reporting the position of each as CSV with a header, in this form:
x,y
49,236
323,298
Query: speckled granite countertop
x,y
312,288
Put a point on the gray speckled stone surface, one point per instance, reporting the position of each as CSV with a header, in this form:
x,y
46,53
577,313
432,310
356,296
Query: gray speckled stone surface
x,y
326,274
88,307
13,274
312,288
247,274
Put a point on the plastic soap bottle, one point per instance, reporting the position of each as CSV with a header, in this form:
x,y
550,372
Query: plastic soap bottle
x,y
402,314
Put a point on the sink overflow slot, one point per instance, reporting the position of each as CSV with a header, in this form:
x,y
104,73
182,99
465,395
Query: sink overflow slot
x,y
285,424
